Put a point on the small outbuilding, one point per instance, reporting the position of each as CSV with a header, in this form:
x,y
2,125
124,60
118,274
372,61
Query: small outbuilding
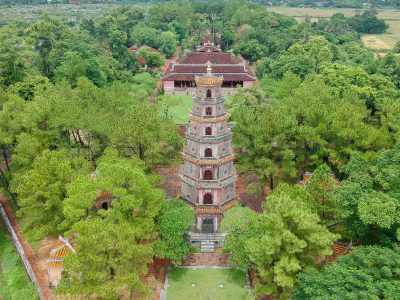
x,y
55,262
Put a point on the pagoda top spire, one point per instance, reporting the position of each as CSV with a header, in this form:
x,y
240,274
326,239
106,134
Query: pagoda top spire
x,y
209,68
208,79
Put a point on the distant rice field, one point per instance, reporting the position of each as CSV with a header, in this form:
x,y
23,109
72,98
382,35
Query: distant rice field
x,y
377,42
387,14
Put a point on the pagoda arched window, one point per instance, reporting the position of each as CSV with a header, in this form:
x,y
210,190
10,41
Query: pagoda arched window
x,y
208,175
208,93
208,111
208,152
208,131
207,199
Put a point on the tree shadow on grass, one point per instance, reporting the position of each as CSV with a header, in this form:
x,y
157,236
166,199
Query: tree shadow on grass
x,y
237,277
177,273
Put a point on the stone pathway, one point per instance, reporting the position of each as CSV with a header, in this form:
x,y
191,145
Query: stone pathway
x,y
206,259
172,182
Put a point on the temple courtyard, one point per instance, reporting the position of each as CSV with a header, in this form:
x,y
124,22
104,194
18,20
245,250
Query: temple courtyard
x,y
206,283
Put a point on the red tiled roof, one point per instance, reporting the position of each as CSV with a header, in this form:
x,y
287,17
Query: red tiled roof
x,y
133,48
150,49
207,39
194,63
209,48
339,249
60,250
227,77
213,57
216,69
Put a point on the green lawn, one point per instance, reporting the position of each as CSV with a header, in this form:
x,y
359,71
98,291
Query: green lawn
x,y
206,284
14,282
180,108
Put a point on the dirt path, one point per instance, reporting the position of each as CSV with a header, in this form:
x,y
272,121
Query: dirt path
x,y
373,41
40,277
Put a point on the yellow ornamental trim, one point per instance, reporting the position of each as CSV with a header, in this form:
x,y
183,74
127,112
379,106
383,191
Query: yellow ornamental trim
x,y
225,117
219,209
209,162
208,80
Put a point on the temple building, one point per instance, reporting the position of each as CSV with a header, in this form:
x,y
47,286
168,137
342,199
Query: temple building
x,y
208,174
179,76
55,263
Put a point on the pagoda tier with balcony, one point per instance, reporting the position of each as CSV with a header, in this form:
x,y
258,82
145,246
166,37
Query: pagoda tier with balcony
x,y
208,174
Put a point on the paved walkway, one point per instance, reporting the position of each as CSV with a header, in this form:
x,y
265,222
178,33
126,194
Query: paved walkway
x,y
172,182
206,259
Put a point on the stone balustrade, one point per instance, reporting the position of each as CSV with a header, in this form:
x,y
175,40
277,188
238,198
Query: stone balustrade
x,y
208,183
209,138
198,236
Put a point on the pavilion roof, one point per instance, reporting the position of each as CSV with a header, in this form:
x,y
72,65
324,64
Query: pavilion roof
x,y
213,57
60,250
209,48
223,63
339,249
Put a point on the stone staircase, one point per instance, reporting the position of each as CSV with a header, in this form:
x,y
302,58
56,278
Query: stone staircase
x,y
207,246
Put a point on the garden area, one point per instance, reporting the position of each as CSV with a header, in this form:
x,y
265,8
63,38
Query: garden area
x,y
14,281
201,284
177,107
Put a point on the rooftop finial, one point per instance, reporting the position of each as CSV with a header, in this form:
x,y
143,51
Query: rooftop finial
x,y
209,69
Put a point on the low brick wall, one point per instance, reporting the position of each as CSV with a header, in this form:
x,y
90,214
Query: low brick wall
x,y
206,259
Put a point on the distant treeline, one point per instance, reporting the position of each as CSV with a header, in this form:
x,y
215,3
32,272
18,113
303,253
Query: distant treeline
x,y
33,2
331,3
293,3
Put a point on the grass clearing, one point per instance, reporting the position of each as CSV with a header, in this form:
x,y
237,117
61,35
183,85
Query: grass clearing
x,y
14,282
204,284
375,42
179,111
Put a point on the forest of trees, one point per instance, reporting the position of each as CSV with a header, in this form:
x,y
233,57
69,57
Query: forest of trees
x,y
293,3
75,119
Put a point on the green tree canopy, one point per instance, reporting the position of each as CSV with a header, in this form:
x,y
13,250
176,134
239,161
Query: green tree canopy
x,y
42,188
173,222
135,197
142,131
368,200
240,225
368,272
114,246
321,187
110,261
368,22
291,240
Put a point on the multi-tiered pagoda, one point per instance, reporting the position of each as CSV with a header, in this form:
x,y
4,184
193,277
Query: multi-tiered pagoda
x,y
208,174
